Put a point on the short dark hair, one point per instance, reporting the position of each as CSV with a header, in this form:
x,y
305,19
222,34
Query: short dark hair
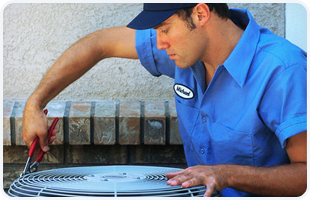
x,y
219,8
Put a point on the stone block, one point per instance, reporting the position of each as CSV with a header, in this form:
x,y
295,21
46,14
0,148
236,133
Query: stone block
x,y
19,155
154,123
8,107
175,137
57,109
129,123
97,154
54,156
79,123
15,154
19,110
104,123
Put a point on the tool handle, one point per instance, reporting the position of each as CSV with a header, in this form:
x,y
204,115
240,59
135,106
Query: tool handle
x,y
50,131
35,141
33,146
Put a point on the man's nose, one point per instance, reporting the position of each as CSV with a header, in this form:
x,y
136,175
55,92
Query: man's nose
x,y
162,44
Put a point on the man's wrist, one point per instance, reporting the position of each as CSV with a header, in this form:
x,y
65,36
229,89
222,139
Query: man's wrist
x,y
229,172
35,102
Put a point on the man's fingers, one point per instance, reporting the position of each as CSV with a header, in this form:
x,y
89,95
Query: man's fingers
x,y
179,179
43,143
173,174
37,148
209,190
54,131
28,141
192,182
53,138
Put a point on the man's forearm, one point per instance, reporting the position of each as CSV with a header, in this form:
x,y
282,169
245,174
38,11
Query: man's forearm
x,y
285,180
83,55
77,60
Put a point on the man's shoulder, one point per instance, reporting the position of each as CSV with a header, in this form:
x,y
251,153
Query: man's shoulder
x,y
278,49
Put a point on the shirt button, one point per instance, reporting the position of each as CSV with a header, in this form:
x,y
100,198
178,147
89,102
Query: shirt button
x,y
202,151
204,119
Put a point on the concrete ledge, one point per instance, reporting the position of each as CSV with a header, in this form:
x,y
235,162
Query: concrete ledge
x,y
154,123
101,123
7,113
79,123
129,123
105,123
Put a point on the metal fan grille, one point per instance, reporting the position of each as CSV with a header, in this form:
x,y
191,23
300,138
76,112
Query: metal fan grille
x,y
104,181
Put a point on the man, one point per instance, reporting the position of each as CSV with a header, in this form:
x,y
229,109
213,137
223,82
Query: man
x,y
240,94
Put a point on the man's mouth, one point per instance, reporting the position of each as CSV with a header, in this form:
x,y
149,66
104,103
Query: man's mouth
x,y
171,56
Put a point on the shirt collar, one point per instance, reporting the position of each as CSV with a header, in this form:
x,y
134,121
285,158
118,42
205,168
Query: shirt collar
x,y
239,61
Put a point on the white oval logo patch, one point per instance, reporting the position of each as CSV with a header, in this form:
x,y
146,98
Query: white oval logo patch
x,y
183,91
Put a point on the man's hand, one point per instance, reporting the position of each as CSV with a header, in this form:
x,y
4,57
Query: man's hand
x,y
199,175
35,124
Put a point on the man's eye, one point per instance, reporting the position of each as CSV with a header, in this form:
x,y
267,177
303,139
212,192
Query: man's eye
x,y
164,31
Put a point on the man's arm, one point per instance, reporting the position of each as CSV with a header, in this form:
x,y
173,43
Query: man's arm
x,y
77,60
285,180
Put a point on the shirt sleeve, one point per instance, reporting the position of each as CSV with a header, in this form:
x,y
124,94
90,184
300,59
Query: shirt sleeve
x,y
284,105
156,61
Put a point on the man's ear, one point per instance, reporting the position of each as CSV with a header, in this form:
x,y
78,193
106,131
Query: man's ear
x,y
202,13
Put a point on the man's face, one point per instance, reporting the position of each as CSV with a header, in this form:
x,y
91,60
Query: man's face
x,y
183,45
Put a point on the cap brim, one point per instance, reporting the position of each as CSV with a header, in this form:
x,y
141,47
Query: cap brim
x,y
148,19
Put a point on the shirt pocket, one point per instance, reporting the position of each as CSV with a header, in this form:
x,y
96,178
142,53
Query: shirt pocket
x,y
230,146
187,117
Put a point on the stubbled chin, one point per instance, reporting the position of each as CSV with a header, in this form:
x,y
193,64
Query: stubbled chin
x,y
181,66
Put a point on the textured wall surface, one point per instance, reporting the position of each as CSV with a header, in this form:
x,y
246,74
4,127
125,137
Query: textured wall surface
x,y
35,35
270,15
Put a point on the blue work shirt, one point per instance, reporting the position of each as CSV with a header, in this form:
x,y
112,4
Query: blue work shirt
x,y
253,104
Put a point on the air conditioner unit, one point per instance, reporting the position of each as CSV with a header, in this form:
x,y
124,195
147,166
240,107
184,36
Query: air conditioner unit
x,y
101,181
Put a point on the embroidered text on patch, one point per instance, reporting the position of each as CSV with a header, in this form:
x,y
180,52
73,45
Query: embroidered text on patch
x,y
183,91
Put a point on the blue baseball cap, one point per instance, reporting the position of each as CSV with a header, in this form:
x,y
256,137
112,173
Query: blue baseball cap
x,y
155,13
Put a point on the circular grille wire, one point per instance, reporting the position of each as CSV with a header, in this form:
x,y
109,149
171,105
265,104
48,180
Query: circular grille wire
x,y
104,181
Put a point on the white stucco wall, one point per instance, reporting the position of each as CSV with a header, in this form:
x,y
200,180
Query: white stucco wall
x,y
296,24
35,35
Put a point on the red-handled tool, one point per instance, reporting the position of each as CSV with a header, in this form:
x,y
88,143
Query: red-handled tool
x,y
34,167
